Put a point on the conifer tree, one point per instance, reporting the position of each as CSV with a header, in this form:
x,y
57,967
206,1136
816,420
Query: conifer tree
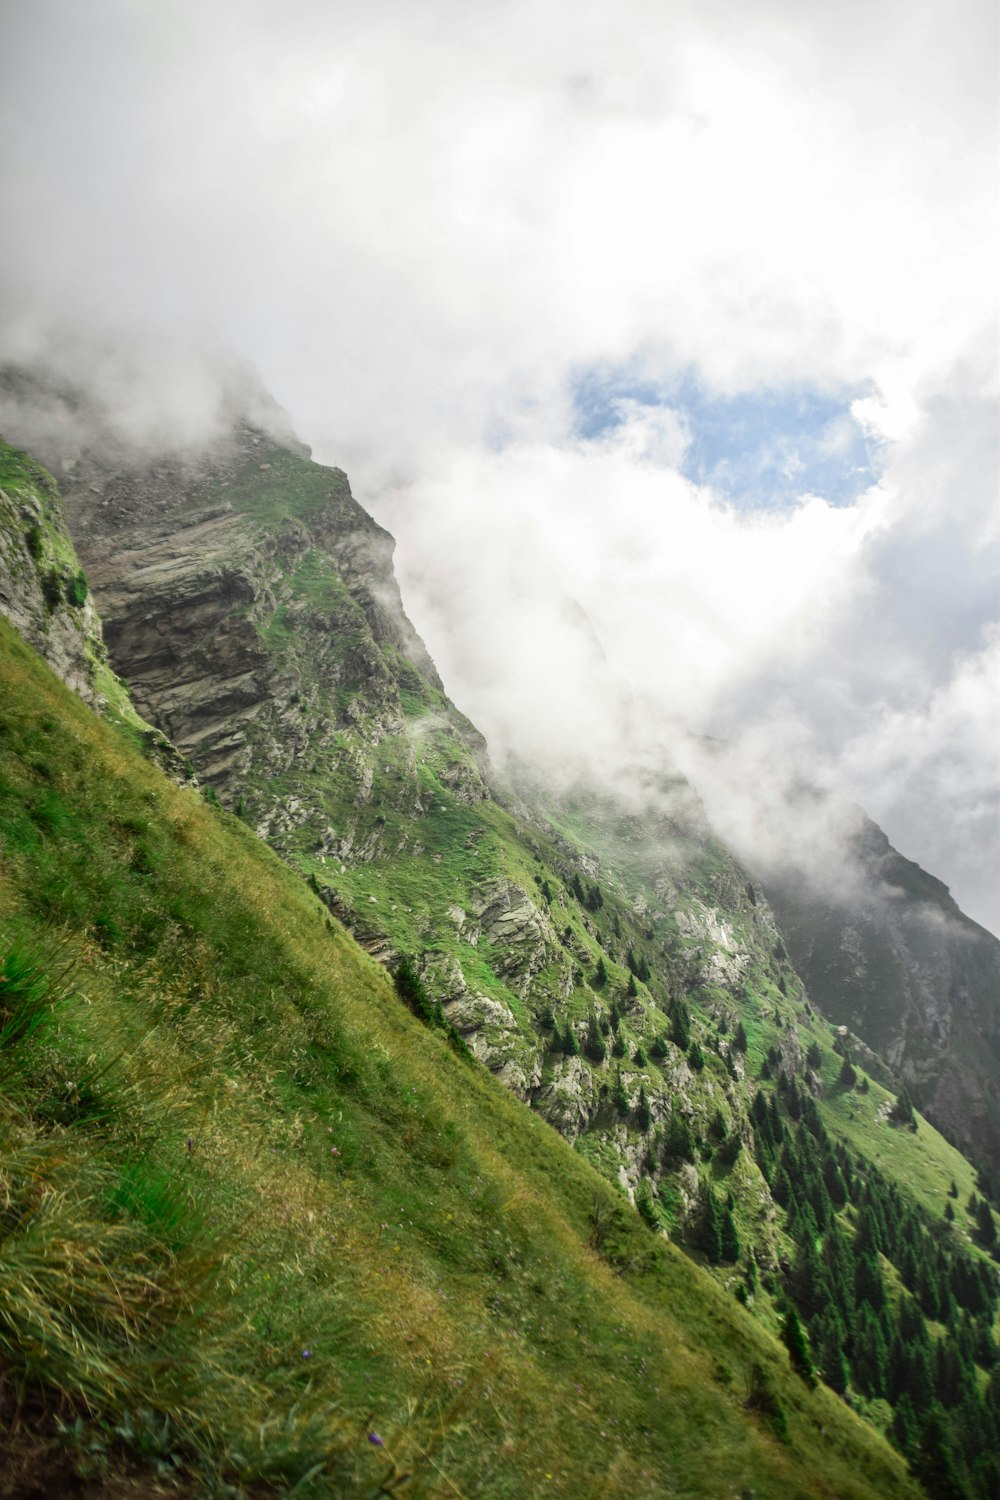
x,y
644,1203
985,1227
902,1111
708,1229
644,1118
794,1340
593,1045
847,1077
832,1364
729,1239
935,1464
870,1360
600,973
679,1142
680,1024
740,1037
905,1428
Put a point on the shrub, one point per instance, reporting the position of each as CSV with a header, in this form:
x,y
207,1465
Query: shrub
x,y
76,590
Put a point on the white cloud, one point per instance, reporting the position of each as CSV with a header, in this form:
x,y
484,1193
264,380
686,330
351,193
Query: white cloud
x,y
421,222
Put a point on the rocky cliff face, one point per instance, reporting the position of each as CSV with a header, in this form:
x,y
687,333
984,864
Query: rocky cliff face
x,y
45,594
43,591
888,953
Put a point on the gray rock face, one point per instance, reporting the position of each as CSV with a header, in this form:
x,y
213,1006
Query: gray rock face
x,y
894,959
250,604
522,935
569,1100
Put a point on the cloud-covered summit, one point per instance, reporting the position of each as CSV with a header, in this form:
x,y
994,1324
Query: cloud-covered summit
x,y
421,223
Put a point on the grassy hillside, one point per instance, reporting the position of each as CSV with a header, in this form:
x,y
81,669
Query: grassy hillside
x,y
260,1227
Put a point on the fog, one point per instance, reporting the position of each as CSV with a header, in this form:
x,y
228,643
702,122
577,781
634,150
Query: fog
x,y
427,228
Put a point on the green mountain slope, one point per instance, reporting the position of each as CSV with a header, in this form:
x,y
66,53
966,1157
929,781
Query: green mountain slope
x,y
249,1200
608,959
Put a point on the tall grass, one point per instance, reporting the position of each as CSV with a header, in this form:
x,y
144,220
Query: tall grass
x,y
259,1225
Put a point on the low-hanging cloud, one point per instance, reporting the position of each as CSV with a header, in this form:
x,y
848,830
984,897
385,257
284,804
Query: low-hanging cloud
x,y
422,223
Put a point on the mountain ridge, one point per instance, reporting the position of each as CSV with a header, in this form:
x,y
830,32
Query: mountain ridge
x,y
610,961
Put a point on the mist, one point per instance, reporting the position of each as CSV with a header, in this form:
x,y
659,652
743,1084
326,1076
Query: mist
x,y
433,233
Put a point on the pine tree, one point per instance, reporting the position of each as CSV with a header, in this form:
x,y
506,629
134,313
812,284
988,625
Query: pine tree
x,y
644,1203
985,1227
618,1094
708,1229
795,1342
729,1239
832,1364
870,1358
410,989
600,973
695,1057
902,1111
847,1077
680,1024
679,1142
593,1045
619,1047
570,1045
639,1057
935,1464
905,1428
740,1037
643,1116
633,990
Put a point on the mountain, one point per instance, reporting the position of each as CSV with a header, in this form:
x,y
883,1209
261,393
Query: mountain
x,y
888,953
601,952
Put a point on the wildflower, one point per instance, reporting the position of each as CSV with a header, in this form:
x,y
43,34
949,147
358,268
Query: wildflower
x,y
190,1144
307,1354
375,1440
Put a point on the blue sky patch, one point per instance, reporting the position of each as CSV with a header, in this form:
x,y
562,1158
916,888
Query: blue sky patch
x,y
760,449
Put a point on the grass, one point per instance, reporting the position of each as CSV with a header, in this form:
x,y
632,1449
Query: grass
x,y
252,1212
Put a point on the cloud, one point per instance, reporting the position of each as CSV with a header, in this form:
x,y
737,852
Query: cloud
x,y
422,223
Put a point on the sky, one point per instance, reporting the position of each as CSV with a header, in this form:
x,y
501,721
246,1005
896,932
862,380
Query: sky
x,y
662,336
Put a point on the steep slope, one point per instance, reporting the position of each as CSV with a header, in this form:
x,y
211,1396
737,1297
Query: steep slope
x,y
606,957
261,1227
